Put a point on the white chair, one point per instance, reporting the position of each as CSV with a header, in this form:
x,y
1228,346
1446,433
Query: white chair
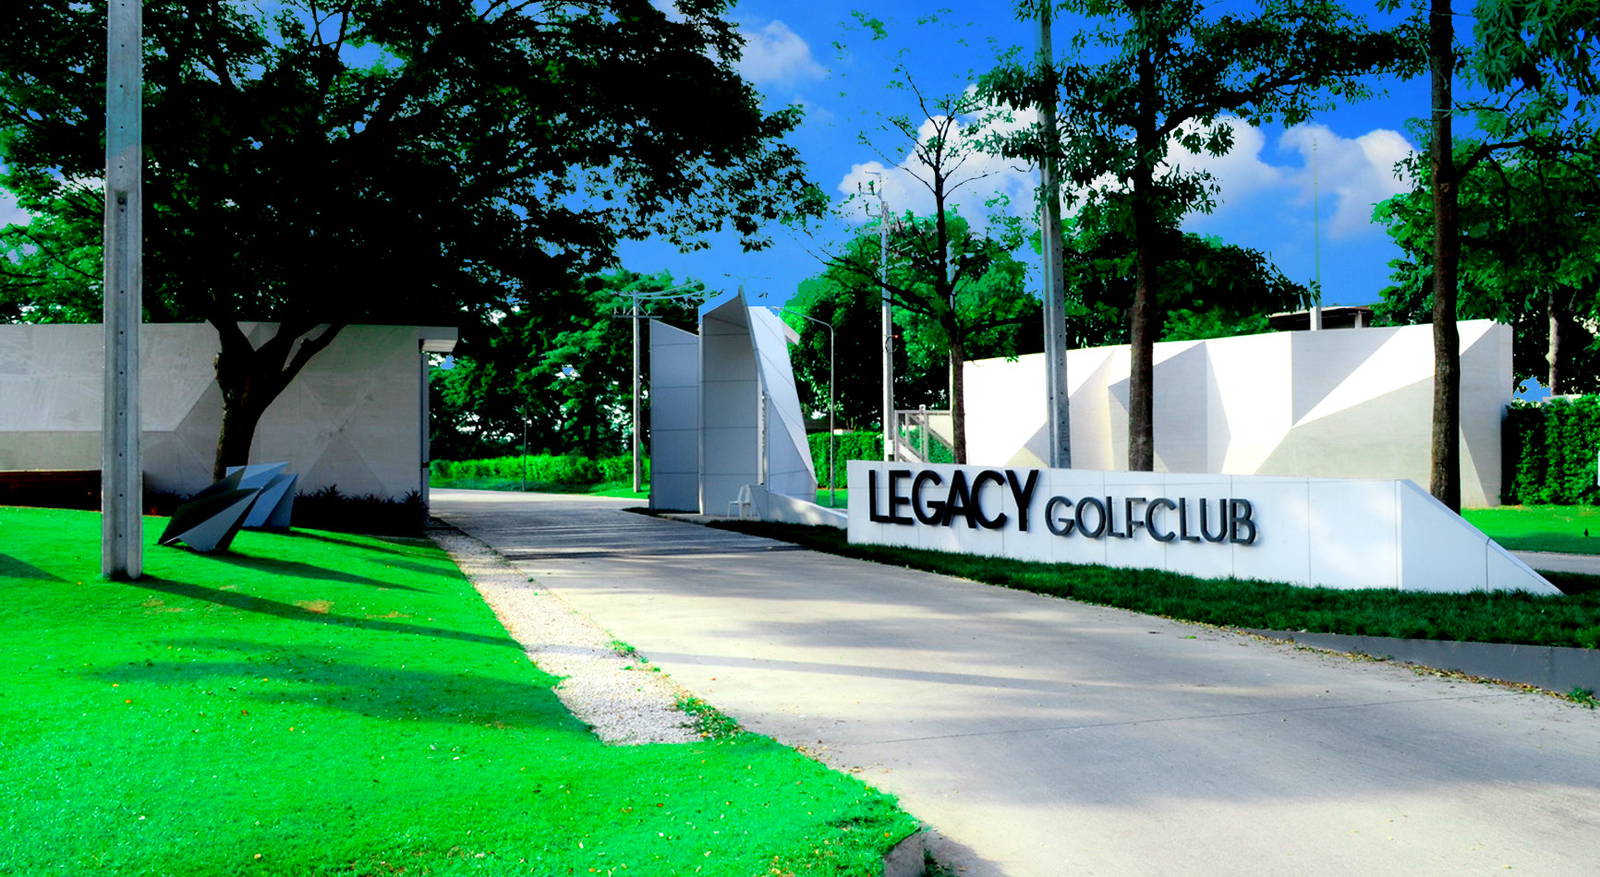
x,y
741,507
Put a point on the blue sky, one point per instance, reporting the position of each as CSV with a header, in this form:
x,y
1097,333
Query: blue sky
x,y
1266,198
1266,183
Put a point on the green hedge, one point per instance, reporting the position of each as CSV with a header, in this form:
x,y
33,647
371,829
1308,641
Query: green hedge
x,y
565,469
1550,452
850,446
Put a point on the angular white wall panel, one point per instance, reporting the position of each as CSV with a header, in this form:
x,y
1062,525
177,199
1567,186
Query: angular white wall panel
x,y
1339,403
674,418
351,418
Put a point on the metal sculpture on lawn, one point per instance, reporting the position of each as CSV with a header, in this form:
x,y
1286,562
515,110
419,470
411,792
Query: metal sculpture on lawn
x,y
251,496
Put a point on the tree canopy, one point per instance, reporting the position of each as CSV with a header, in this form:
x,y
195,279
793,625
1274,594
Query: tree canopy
x,y
1146,75
1530,225
560,365
407,161
996,314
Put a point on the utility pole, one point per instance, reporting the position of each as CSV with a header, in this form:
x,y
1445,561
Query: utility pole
x,y
121,478
1316,237
889,431
1057,417
636,471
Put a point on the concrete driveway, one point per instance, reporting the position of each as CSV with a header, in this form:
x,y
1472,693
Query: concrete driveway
x,y
1045,737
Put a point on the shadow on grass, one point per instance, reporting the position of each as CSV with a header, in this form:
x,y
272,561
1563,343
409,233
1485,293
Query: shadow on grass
x,y
289,611
380,545
12,568
327,679
300,570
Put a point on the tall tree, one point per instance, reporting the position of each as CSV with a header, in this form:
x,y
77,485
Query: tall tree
x,y
317,164
559,365
1530,223
1531,56
994,312
1151,73
937,256
1209,288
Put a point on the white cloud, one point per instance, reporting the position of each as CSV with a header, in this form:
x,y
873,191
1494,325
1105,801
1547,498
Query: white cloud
x,y
775,53
980,177
1354,173
10,213
1357,173
1237,172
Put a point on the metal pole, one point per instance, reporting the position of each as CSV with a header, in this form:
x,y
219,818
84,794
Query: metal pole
x,y
1316,238
524,448
889,431
831,434
121,478
1058,419
636,472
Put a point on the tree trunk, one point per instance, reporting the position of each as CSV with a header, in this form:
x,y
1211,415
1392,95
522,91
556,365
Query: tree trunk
x,y
1445,478
1552,353
252,378
958,402
1141,317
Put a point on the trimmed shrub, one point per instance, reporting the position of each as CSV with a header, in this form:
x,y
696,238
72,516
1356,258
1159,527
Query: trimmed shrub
x,y
860,445
542,469
1549,452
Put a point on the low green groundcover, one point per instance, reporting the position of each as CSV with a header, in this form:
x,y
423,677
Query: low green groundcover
x,y
1574,529
325,703
1499,617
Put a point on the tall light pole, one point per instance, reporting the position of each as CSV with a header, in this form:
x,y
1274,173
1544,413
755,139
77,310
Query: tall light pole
x,y
121,478
1058,422
829,327
889,431
635,315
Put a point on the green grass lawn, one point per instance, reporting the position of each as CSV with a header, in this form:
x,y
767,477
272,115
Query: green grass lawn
x,y
1565,528
1572,620
319,703
622,489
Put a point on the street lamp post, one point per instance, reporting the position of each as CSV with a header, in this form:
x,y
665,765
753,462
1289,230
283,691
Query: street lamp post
x,y
121,478
831,436
635,316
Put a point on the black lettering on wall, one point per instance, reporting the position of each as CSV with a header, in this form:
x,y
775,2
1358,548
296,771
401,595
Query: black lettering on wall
x,y
987,476
1129,519
1023,494
1239,520
931,512
1058,516
1111,520
872,499
1183,521
1100,517
959,501
1222,521
896,500
1156,533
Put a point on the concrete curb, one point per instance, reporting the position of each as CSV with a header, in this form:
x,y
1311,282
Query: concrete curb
x,y
1558,668
905,859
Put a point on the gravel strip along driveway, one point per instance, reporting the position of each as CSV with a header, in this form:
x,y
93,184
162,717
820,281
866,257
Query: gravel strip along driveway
x,y
623,706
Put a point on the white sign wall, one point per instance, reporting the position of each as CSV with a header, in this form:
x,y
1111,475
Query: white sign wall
x,y
1330,532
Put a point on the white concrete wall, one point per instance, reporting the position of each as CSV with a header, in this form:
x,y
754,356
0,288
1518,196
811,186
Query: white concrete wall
x,y
352,418
1341,403
674,418
747,397
1327,532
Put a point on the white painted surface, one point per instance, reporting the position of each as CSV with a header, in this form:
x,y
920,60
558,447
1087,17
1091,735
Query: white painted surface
x,y
744,367
674,418
1328,532
1344,403
349,419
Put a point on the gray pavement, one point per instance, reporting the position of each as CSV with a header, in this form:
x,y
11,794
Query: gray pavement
x,y
1046,737
1588,564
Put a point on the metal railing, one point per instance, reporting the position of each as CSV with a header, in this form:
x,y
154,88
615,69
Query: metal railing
x,y
924,435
